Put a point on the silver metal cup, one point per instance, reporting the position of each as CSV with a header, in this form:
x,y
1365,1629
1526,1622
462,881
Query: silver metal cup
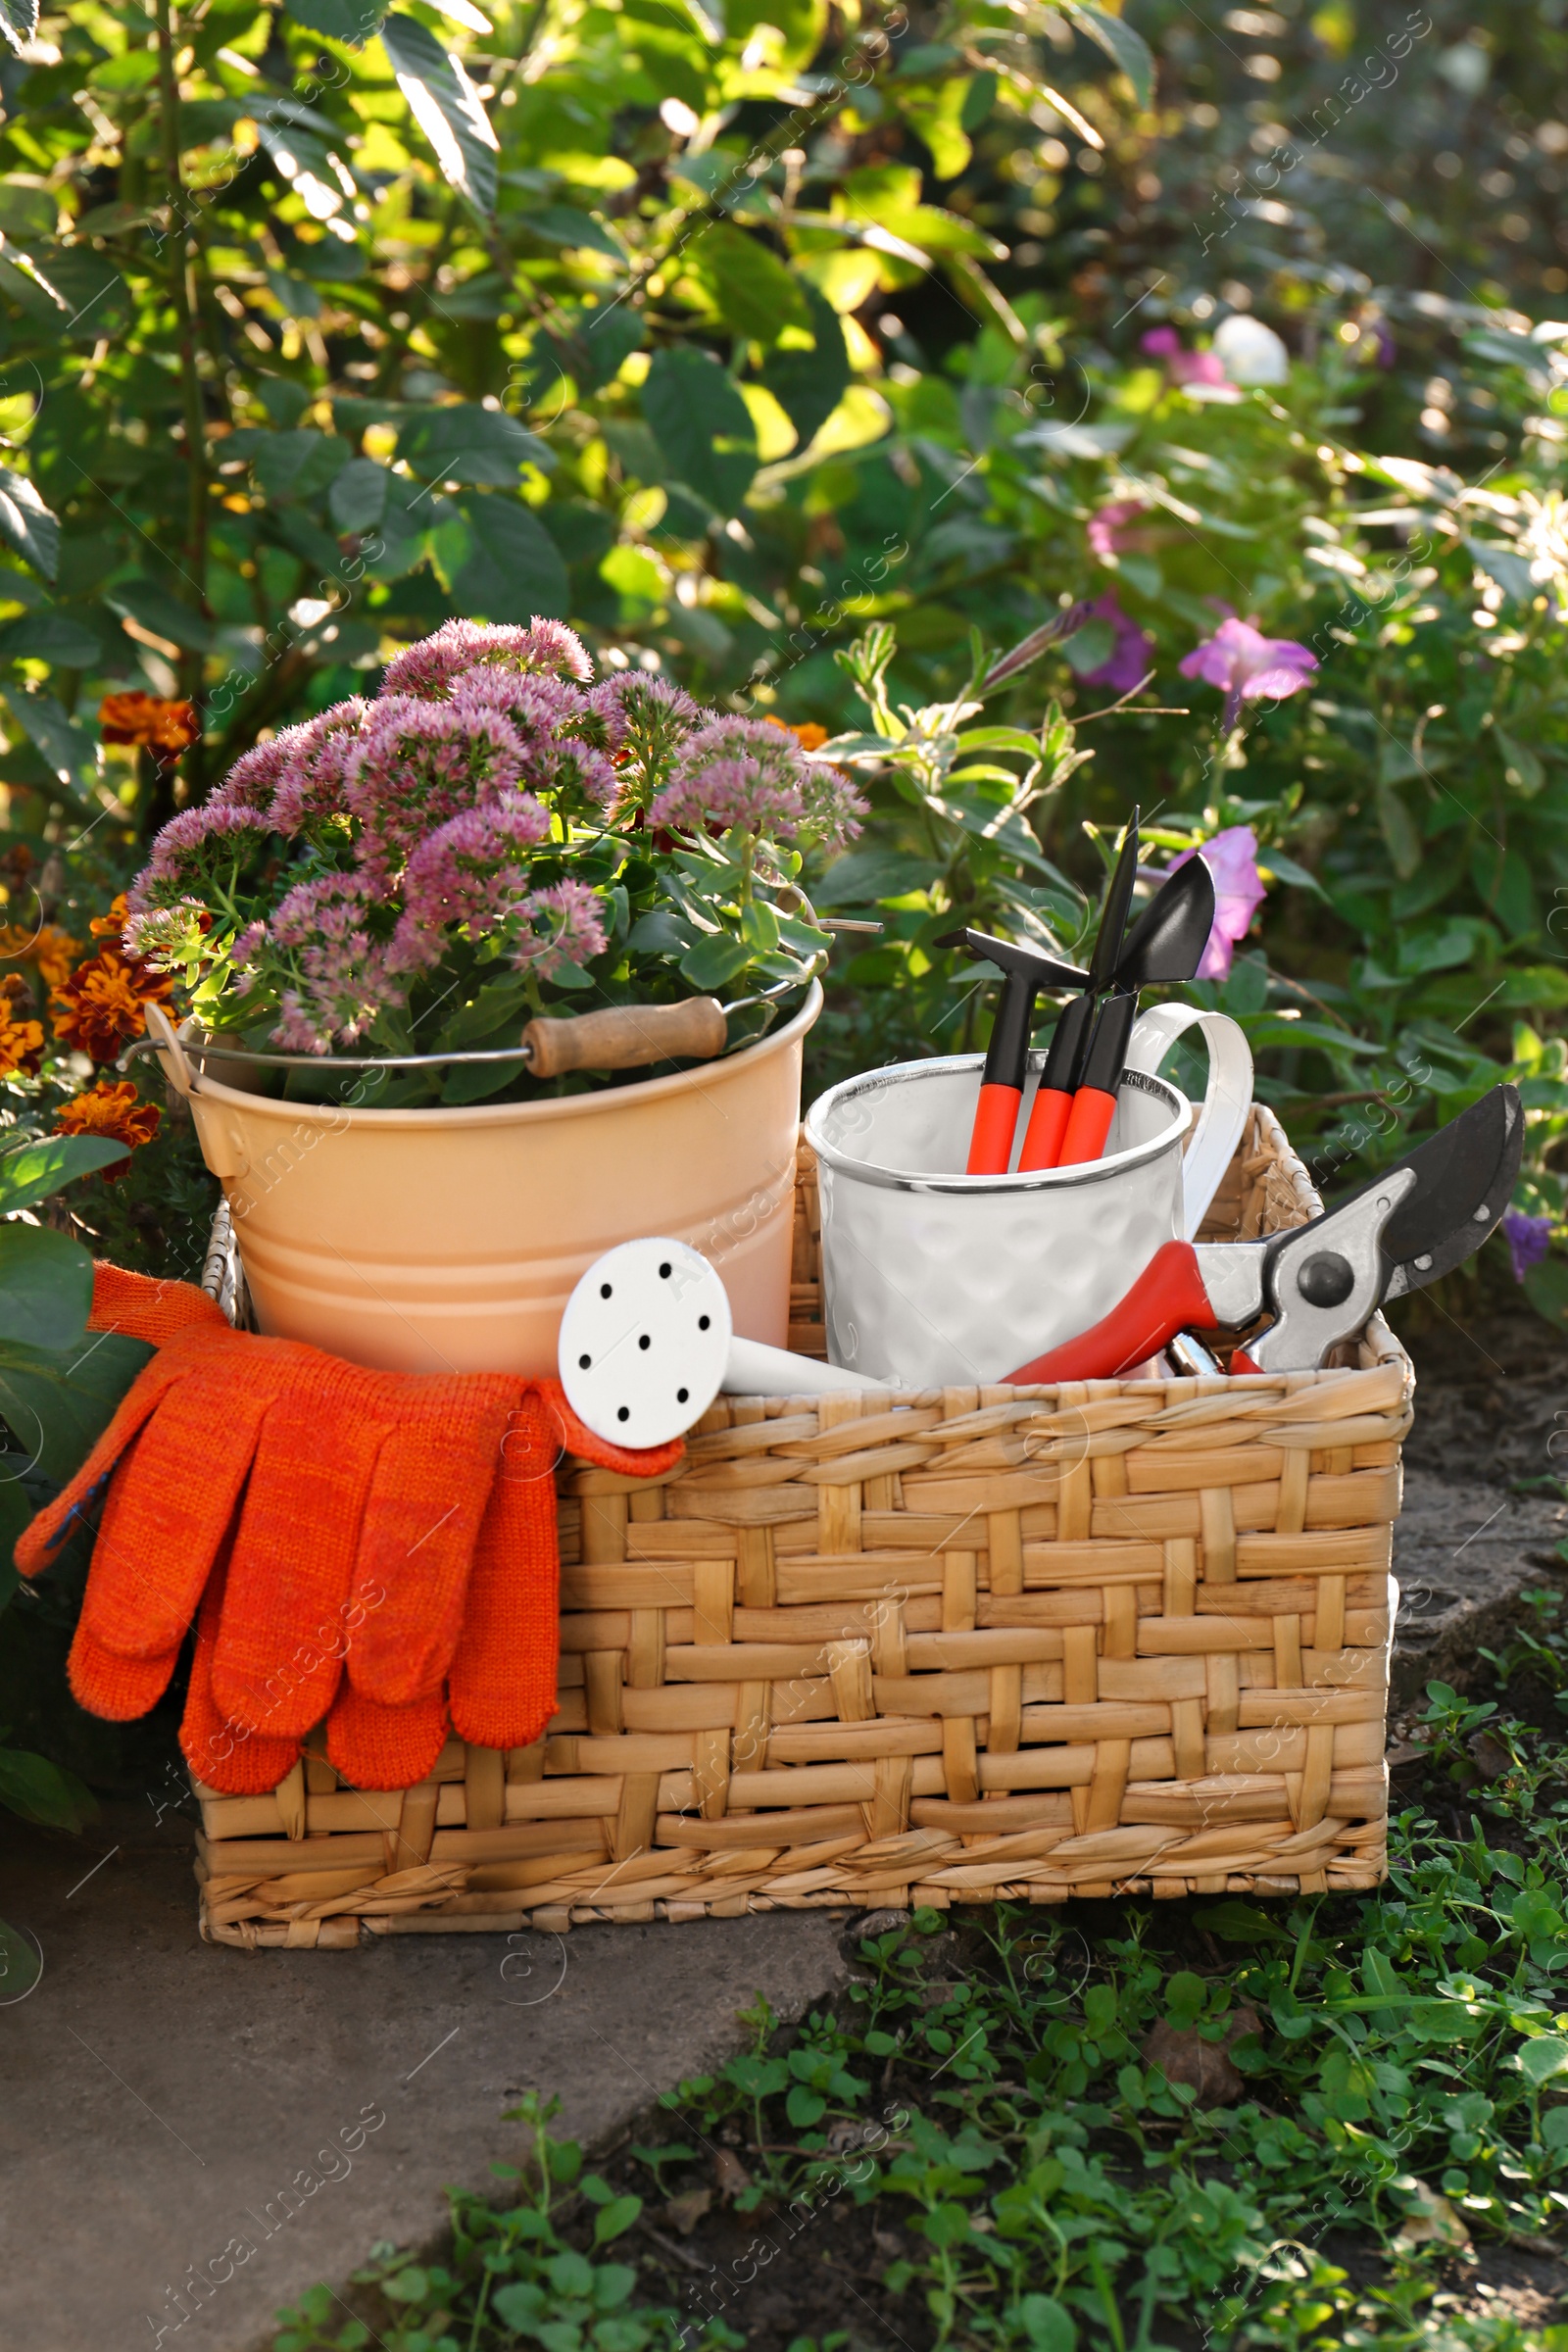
x,y
938,1279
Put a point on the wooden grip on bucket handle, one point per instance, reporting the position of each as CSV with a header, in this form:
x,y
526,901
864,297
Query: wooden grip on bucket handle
x,y
622,1035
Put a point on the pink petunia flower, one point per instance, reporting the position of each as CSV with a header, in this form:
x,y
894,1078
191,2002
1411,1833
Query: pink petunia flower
x,y
1109,534
1231,857
432,668
1529,1239
1132,653
1184,367
1249,665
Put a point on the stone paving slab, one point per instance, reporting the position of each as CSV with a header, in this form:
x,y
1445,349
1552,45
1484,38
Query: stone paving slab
x,y
166,2103
1463,1554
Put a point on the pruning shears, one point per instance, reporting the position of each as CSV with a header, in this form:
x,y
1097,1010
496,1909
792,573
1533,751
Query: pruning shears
x,y
1319,1283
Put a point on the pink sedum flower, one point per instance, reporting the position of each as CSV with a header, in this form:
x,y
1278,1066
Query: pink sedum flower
x,y
247,945
165,938
417,763
1239,891
315,759
1250,667
473,870
742,774
194,844
432,668
346,975
566,925
646,720
254,778
735,773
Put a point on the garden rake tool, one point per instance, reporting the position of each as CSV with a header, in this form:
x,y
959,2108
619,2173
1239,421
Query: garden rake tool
x,y
1025,971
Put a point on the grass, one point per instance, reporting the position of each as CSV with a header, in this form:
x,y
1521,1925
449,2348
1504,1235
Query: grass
x,y
1116,2127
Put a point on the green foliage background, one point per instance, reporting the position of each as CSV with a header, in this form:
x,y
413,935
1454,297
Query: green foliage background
x,y
725,330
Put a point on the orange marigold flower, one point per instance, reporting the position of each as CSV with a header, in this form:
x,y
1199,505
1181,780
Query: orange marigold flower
x,y
102,1004
808,734
21,1040
51,948
111,925
112,1110
166,729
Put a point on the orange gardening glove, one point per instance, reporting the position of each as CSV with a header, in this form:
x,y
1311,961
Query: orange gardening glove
x,y
384,1748
369,1498
502,1690
364,1499
143,1307
502,1684
222,1755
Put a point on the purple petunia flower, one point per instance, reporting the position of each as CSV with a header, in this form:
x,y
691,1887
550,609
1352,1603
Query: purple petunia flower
x,y
1249,665
1528,1238
1239,891
1132,653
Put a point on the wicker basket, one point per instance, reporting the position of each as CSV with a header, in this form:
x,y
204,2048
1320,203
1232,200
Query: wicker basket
x,y
1122,1637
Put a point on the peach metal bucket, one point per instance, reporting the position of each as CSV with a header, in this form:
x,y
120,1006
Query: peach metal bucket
x,y
449,1239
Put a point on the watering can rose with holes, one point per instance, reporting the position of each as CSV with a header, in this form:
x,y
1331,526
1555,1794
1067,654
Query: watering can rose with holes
x,y
425,947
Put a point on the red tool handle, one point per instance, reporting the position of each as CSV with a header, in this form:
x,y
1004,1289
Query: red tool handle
x,y
1088,1126
1048,1124
1166,1298
991,1138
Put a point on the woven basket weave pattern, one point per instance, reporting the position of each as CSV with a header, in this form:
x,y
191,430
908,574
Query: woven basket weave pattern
x,y
1114,1636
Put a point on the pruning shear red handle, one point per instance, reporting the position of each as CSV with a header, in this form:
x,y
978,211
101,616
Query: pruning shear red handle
x,y
1168,1297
